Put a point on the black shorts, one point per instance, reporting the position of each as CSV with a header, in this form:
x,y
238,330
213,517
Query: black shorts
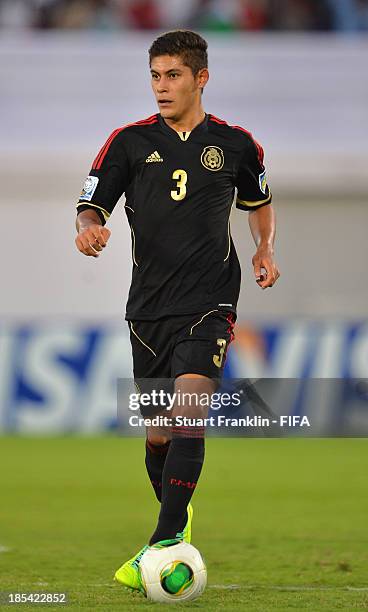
x,y
175,345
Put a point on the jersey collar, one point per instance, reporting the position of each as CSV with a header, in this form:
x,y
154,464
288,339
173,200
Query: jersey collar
x,y
201,127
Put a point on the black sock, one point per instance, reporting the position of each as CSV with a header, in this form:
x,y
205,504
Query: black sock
x,y
182,468
155,461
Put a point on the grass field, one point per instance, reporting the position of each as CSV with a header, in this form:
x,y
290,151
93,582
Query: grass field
x,y
282,524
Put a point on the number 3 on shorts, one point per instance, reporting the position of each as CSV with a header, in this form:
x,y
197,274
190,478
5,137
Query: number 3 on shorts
x,y
217,359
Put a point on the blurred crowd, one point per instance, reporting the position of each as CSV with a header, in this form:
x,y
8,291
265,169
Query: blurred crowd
x,y
218,15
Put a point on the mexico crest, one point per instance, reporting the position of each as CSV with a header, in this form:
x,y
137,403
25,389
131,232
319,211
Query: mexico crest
x,y
212,158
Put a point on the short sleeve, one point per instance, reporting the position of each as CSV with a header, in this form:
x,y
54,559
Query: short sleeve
x,y
108,178
251,181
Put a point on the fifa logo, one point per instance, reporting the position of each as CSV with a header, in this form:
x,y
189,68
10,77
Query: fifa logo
x,y
212,158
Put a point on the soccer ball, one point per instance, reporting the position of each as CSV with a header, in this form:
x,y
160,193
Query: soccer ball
x,y
173,573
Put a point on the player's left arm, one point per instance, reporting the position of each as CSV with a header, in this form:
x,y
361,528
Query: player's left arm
x,y
254,196
262,223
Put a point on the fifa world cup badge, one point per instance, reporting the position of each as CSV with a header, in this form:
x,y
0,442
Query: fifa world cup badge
x,y
263,182
89,188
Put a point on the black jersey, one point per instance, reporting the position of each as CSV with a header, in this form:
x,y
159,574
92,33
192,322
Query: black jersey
x,y
179,190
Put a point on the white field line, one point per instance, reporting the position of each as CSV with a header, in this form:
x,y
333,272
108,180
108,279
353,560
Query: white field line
x,y
271,587
4,549
274,587
246,587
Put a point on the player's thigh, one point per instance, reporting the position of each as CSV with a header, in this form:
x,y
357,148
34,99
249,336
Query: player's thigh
x,y
151,350
202,346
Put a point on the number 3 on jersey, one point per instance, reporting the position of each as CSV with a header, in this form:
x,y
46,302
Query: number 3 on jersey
x,y
181,177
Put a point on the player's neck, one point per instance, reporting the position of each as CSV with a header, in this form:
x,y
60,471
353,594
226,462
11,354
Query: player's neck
x,y
187,122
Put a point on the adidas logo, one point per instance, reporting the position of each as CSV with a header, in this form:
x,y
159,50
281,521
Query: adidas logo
x,y
154,157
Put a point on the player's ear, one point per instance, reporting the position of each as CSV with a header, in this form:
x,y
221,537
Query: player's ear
x,y
202,78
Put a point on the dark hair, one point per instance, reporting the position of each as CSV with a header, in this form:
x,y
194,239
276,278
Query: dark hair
x,y
190,46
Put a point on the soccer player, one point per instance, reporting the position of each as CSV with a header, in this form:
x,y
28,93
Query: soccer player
x,y
179,170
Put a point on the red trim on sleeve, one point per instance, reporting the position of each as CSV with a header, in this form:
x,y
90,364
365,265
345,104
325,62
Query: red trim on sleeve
x,y
217,120
97,163
260,152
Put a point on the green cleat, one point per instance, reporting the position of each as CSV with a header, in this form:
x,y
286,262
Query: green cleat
x,y
129,575
186,534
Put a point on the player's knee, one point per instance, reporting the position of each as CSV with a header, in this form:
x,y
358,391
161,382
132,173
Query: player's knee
x,y
158,439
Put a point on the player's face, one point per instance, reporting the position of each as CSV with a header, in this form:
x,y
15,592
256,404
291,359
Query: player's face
x,y
175,88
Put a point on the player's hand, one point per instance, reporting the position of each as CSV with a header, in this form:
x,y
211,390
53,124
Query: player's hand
x,y
92,240
266,271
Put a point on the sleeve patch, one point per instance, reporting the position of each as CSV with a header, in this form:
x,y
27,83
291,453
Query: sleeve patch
x,y
89,188
263,182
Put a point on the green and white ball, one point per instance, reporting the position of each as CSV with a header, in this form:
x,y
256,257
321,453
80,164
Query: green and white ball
x,y
173,574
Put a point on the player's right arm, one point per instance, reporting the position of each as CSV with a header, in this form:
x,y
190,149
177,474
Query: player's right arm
x,y
107,181
92,236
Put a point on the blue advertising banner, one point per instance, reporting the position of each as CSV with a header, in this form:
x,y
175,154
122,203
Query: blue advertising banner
x,y
62,377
